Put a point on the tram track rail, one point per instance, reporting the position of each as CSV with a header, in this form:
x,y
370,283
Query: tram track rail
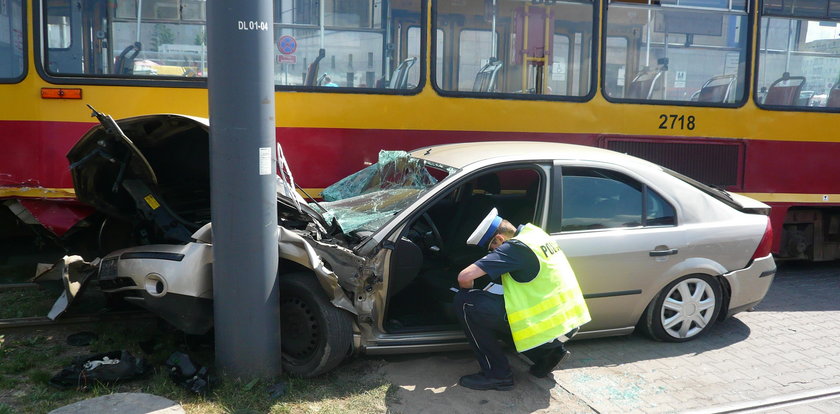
x,y
774,404
71,319
10,286
42,321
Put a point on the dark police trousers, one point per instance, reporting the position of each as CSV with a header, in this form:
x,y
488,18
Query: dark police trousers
x,y
484,320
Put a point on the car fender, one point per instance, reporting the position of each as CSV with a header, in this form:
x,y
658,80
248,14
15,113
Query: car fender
x,y
689,266
292,246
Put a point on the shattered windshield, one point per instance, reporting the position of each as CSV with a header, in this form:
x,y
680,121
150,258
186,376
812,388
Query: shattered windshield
x,y
367,199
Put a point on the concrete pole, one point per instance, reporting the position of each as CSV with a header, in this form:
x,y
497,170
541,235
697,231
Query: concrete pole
x,y
240,40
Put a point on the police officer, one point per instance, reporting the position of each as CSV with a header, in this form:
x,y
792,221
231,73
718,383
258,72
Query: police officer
x,y
538,304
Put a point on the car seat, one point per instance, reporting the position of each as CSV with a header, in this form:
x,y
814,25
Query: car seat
x,y
485,79
399,79
718,89
785,90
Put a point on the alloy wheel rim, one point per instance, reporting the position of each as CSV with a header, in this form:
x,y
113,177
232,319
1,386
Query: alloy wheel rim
x,y
688,308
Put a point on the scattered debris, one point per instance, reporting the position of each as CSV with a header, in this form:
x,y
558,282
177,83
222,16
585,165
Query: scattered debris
x,y
73,272
188,374
104,368
275,391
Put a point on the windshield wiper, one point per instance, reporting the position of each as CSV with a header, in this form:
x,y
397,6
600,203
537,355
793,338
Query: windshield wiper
x,y
335,228
312,199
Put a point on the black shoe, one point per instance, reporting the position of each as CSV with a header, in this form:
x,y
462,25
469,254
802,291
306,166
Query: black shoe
x,y
480,381
546,364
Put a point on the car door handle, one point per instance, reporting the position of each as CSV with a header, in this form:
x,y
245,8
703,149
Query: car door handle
x,y
659,253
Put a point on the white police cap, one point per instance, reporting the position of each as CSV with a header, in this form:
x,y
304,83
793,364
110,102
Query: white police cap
x,y
485,230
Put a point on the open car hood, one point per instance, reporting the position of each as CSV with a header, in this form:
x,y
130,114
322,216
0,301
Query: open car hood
x,y
161,164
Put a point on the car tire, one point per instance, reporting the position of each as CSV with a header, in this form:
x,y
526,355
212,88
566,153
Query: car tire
x,y
684,309
315,336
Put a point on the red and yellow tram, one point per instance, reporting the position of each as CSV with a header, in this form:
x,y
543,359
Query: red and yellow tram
x,y
733,93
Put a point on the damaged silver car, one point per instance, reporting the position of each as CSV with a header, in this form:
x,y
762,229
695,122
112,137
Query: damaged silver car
x,y
373,267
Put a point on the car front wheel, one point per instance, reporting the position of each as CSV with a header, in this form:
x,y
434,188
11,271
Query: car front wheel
x,y
315,336
684,309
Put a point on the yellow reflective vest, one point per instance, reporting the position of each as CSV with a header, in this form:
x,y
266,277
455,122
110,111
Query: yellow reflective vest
x,y
551,304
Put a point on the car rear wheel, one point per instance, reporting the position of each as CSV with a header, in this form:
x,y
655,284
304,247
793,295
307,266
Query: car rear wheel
x,y
685,309
315,336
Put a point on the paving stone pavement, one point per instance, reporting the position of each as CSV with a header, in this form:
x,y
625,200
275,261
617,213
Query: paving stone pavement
x,y
789,344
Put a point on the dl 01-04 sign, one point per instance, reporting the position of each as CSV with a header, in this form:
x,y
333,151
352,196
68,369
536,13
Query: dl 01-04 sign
x,y
252,25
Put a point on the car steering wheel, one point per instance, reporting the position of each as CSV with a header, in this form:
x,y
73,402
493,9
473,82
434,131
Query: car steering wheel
x,y
435,233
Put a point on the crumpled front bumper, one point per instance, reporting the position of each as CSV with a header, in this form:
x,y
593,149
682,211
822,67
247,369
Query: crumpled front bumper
x,y
175,282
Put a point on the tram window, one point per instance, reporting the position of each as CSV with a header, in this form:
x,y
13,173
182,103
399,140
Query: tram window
x,y
355,48
474,51
712,4
162,9
560,65
296,12
352,59
344,13
194,10
821,9
11,41
350,47
413,45
102,38
615,66
798,58
58,26
553,58
676,55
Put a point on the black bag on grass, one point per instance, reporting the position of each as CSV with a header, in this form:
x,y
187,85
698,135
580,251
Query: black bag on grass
x,y
188,374
105,368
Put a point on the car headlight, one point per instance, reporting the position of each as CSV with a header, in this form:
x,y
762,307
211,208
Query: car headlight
x,y
108,268
155,285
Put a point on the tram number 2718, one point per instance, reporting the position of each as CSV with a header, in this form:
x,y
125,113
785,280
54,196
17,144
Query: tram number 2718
x,y
674,121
